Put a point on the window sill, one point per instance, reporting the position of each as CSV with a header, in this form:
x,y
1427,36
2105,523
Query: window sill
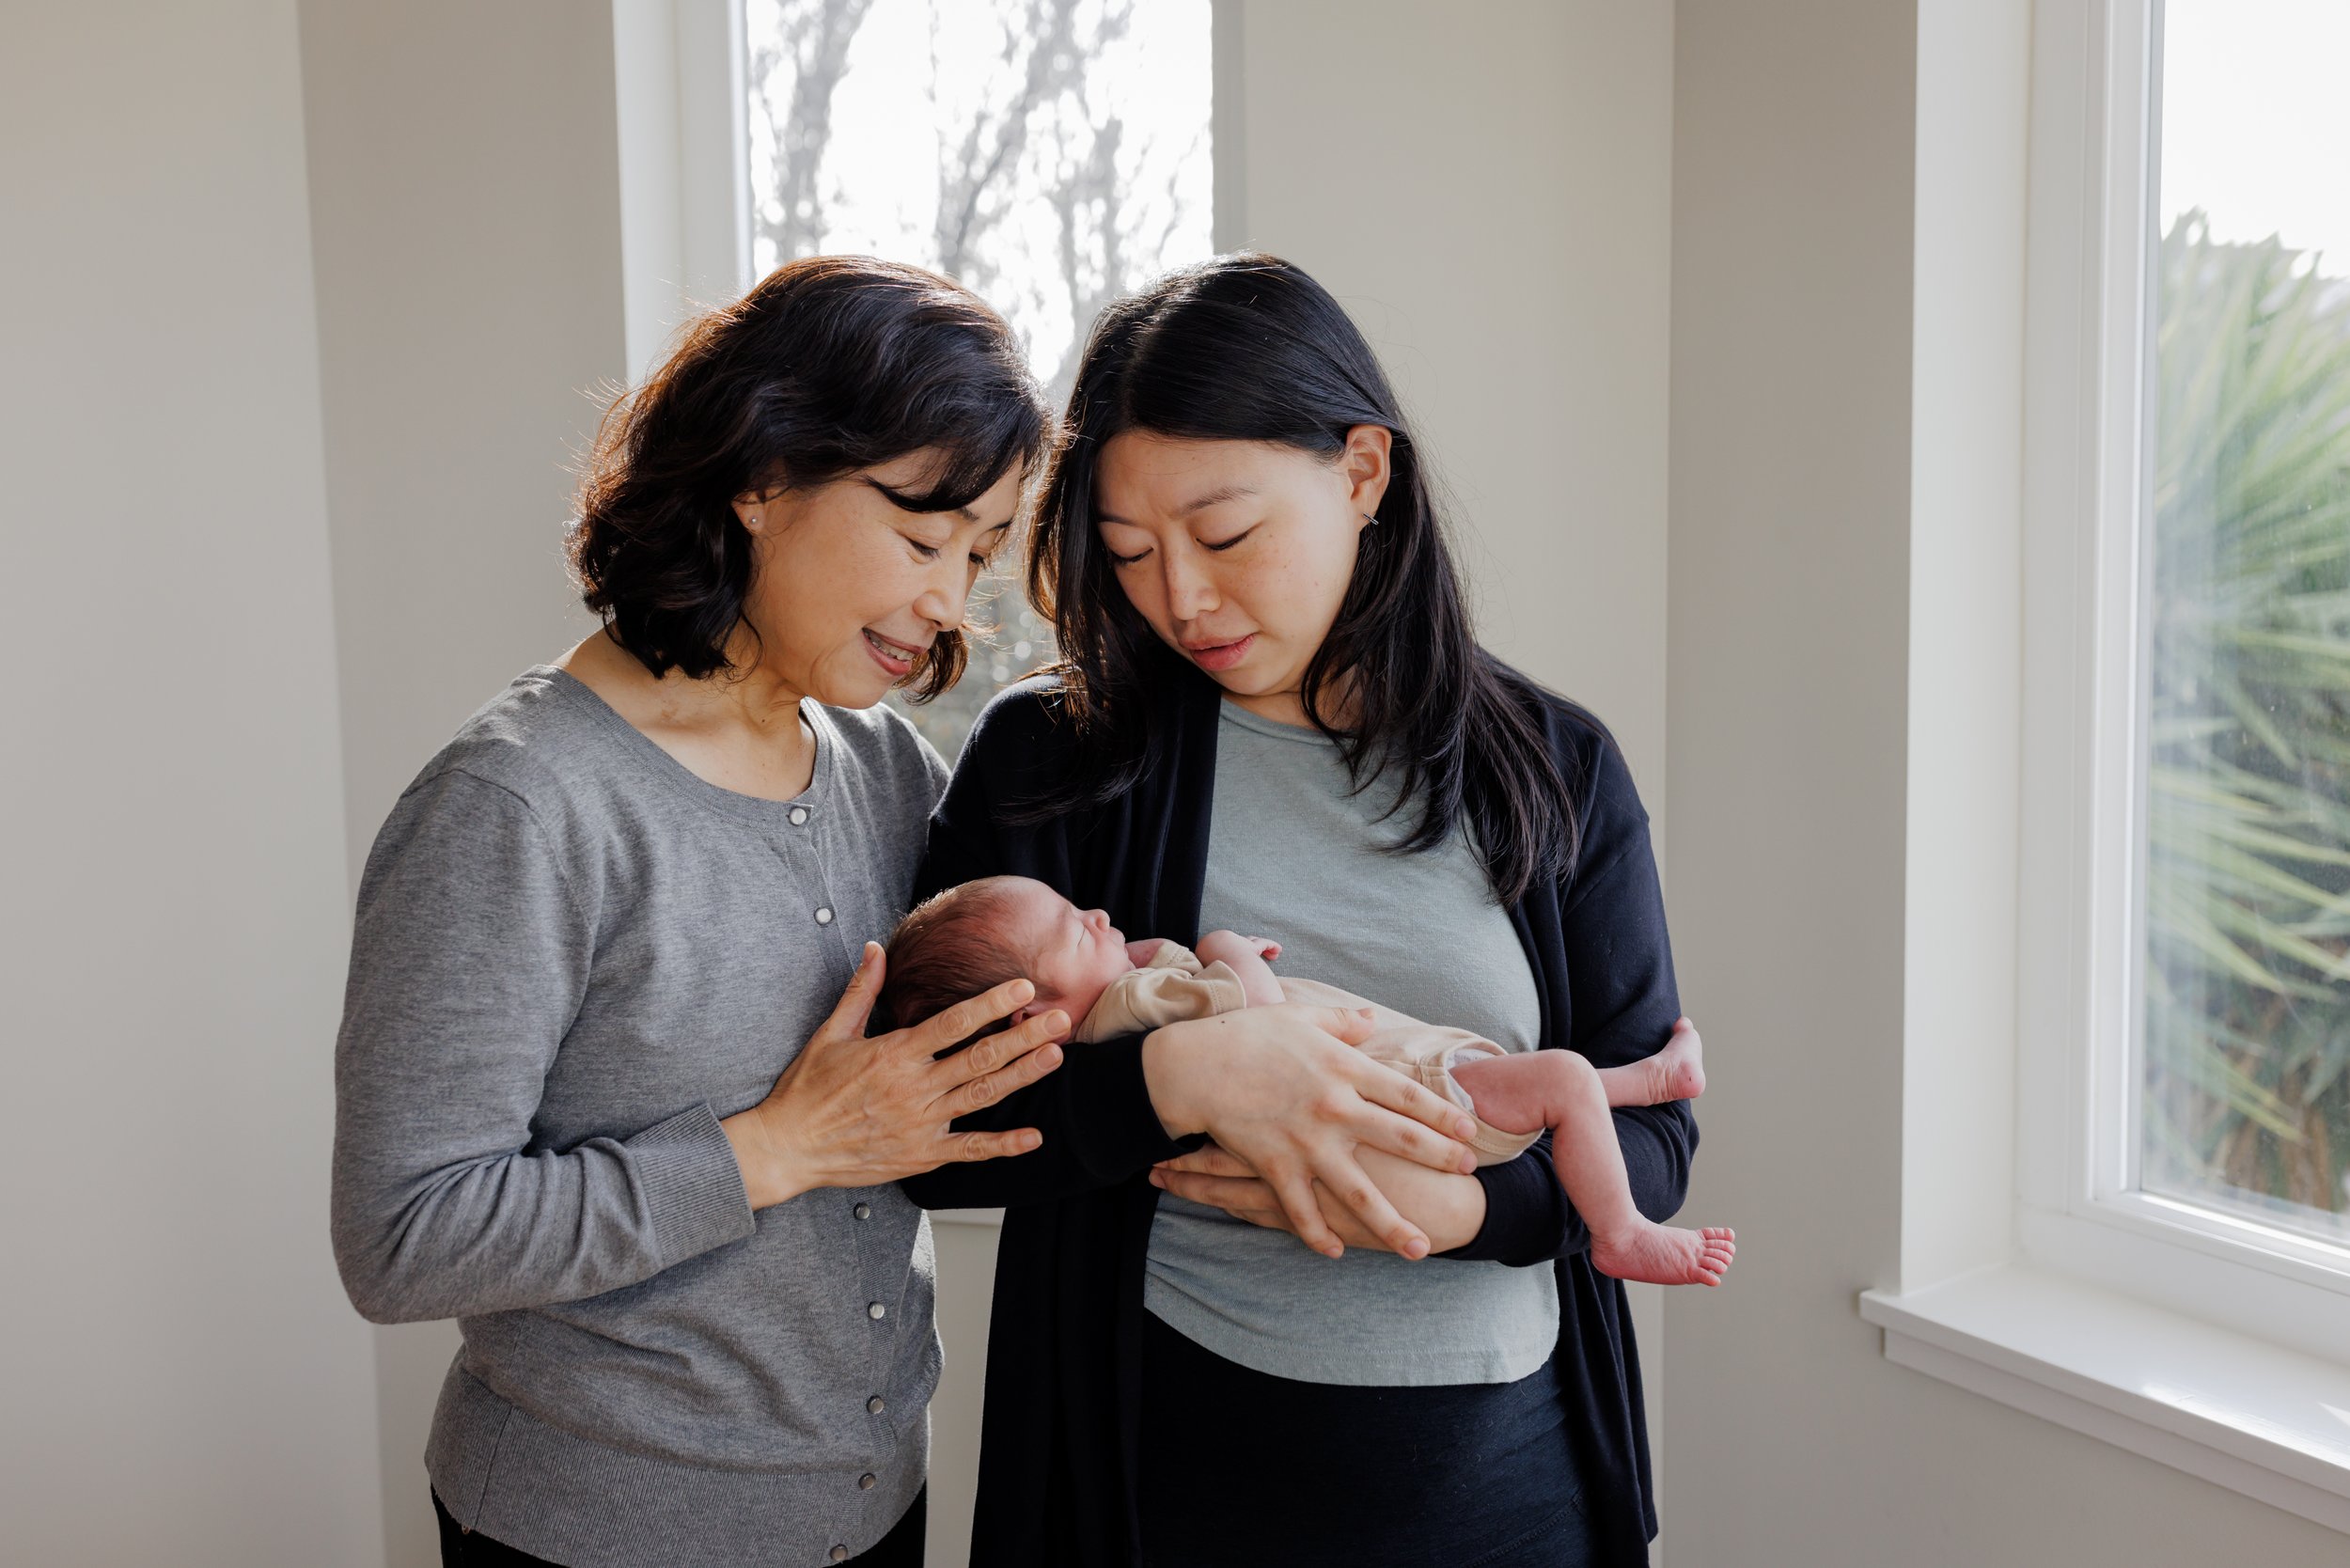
x,y
2269,1422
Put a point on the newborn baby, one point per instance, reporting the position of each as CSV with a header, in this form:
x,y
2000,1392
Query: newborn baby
x,y
969,938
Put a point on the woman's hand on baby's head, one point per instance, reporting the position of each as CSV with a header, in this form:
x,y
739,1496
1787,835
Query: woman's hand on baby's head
x,y
860,1110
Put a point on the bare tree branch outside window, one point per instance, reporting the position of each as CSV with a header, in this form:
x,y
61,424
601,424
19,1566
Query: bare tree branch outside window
x,y
805,55
1052,155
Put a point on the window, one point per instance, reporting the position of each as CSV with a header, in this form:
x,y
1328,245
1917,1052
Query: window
x,y
1052,155
2186,714
2243,1072
2173,1275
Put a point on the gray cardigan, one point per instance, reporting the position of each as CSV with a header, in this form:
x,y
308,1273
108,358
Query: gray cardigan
x,y
572,958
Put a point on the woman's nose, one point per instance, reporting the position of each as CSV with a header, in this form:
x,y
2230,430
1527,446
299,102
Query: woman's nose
x,y
1189,593
943,602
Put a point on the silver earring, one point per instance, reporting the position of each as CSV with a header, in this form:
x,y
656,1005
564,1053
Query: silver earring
x,y
1373,520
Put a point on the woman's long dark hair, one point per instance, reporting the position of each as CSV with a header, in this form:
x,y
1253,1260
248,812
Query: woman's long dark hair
x,y
1248,348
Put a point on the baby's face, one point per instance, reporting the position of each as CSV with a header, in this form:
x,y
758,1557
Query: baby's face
x,y
1072,954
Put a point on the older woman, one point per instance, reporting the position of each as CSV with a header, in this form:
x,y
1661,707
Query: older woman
x,y
595,1098
603,1090
1273,717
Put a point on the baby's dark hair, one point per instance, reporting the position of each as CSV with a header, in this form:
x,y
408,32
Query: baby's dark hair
x,y
947,948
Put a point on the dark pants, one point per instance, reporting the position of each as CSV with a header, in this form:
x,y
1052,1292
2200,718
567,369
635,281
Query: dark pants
x,y
463,1548
1241,1469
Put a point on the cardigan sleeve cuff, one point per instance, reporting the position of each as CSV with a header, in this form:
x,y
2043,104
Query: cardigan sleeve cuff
x,y
1527,1218
692,1183
1122,1134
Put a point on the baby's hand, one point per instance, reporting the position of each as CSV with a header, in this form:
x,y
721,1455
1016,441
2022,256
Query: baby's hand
x,y
1245,956
1222,945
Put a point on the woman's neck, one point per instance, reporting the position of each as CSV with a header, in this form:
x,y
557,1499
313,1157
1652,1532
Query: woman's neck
x,y
738,729
1337,704
1272,707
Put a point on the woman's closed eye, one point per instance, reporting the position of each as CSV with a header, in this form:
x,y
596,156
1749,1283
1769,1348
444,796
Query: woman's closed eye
x,y
1217,546
980,560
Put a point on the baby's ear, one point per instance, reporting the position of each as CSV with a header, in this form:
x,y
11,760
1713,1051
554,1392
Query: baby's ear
x,y
1023,1015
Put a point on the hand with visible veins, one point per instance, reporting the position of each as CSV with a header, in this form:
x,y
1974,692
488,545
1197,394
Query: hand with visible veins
x,y
1284,1089
1448,1208
854,1111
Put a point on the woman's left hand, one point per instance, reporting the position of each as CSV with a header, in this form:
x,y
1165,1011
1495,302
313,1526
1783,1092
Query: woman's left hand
x,y
1449,1208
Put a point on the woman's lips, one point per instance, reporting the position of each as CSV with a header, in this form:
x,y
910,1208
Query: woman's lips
x,y
896,658
1219,656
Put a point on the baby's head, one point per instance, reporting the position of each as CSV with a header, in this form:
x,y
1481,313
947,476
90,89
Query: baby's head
x,y
966,939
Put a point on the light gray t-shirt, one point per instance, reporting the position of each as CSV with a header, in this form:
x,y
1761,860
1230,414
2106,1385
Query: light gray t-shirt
x,y
1294,855
572,958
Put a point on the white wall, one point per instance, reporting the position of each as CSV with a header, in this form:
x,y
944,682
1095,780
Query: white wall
x,y
181,1380
1793,1440
1488,191
464,192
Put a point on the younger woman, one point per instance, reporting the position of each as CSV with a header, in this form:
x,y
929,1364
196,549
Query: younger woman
x,y
1273,717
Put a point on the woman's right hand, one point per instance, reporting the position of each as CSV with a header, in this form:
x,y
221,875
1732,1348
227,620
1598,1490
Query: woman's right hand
x,y
1284,1089
855,1112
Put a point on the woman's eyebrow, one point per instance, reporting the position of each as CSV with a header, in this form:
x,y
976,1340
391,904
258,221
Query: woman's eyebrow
x,y
908,503
1217,496
1213,497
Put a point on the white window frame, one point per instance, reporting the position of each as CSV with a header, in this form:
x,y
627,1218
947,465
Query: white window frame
x,y
682,113
2082,925
2216,1344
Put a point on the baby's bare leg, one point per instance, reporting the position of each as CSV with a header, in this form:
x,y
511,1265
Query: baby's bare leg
x,y
1563,1091
1675,1073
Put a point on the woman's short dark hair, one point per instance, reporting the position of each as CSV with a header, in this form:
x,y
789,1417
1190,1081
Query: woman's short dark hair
x,y
830,365
1250,347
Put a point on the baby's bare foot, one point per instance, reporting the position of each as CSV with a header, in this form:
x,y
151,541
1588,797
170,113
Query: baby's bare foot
x,y
1665,1254
1678,1071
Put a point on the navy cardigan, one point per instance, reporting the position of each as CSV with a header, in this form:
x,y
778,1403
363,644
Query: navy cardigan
x,y
1060,1433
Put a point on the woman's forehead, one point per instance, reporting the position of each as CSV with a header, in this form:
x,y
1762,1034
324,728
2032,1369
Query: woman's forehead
x,y
1143,475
